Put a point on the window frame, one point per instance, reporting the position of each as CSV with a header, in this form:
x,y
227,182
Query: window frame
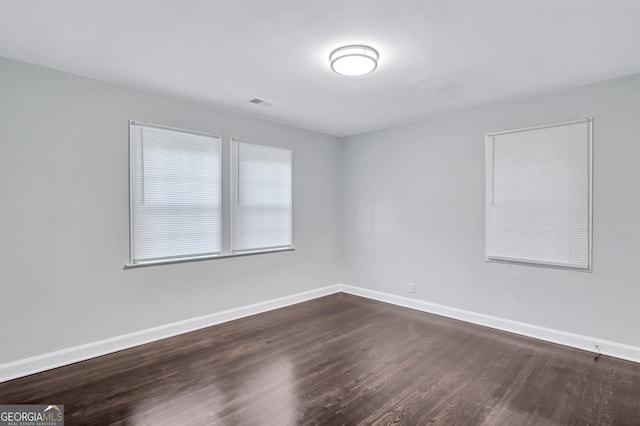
x,y
226,200
231,186
488,160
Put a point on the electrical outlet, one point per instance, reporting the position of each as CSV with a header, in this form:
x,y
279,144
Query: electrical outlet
x,y
412,288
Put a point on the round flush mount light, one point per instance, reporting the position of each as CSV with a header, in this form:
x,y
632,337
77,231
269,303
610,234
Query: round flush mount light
x,y
354,60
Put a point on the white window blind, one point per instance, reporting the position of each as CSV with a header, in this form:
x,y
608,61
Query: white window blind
x,y
175,193
538,188
262,197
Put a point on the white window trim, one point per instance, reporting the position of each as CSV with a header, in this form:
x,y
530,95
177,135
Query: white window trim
x,y
226,200
200,258
488,138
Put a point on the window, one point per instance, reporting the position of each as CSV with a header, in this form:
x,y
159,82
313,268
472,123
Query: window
x,y
538,195
175,193
178,210
262,202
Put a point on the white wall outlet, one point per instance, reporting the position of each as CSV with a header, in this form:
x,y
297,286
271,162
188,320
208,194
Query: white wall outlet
x,y
412,288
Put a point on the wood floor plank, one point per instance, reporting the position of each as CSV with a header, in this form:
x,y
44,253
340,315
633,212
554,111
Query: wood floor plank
x,y
341,360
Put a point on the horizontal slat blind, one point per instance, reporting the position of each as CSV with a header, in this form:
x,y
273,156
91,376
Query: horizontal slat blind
x,y
538,195
175,193
262,197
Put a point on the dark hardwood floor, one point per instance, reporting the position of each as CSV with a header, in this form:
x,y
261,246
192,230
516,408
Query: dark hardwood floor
x,y
341,360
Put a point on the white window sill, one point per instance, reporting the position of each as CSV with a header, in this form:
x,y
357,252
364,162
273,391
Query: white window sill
x,y
208,257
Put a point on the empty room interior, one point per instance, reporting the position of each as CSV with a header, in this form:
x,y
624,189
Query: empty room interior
x,y
294,212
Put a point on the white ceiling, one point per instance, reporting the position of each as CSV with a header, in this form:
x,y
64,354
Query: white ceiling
x,y
435,55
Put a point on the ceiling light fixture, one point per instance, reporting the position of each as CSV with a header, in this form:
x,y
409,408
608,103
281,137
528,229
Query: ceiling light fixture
x,y
354,60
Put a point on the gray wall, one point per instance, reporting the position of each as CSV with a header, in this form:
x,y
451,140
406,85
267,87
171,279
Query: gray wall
x,y
64,233
393,206
414,211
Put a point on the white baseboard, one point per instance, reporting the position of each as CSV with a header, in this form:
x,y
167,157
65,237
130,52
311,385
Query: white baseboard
x,y
36,364
614,349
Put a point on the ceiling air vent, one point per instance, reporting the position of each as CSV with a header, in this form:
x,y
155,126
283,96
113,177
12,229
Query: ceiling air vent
x,y
262,102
